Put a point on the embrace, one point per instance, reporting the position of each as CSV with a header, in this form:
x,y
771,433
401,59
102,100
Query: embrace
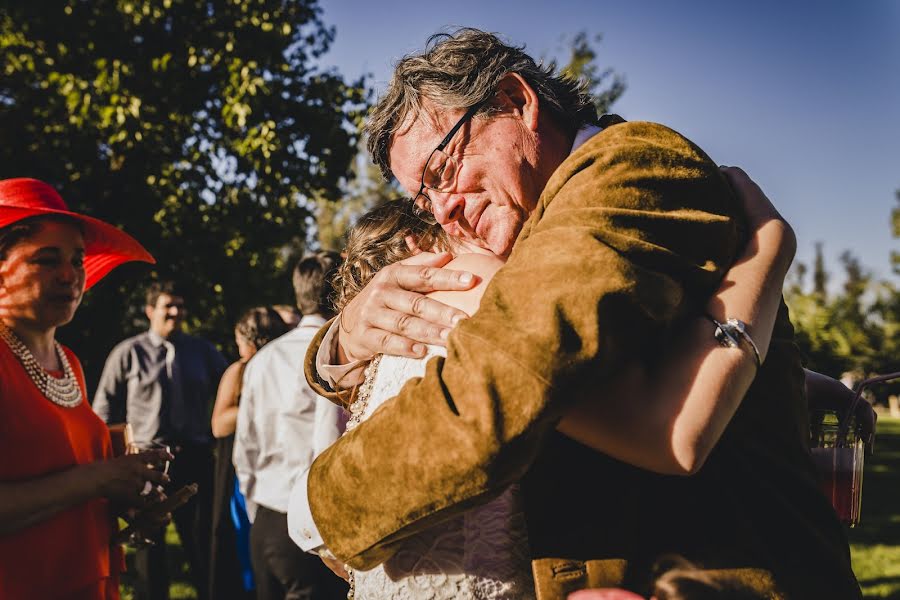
x,y
603,377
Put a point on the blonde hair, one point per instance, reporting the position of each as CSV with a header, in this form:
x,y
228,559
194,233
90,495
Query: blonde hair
x,y
379,239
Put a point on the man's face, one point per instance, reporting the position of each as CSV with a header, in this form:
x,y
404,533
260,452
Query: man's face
x,y
497,184
167,315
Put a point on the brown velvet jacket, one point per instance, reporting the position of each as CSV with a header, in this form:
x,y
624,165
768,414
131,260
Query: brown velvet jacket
x,y
632,233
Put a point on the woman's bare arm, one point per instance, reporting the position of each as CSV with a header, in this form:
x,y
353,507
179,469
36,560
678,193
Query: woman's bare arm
x,y
26,503
674,416
225,410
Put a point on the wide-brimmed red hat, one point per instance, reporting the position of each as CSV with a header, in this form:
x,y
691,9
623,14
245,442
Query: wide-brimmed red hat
x,y
105,246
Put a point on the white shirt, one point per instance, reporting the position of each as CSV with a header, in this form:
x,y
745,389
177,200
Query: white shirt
x,y
301,526
282,424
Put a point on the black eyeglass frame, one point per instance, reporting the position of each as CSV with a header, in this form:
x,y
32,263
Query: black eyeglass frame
x,y
440,148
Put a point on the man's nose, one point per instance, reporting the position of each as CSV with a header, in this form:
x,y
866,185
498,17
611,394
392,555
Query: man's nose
x,y
448,207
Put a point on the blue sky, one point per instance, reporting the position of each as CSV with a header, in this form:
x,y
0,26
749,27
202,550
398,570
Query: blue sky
x,y
804,95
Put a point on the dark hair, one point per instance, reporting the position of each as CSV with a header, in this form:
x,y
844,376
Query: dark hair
x,y
378,239
464,68
24,229
260,325
313,283
158,288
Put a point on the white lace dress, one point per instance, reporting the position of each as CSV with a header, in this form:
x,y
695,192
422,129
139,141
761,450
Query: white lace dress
x,y
481,554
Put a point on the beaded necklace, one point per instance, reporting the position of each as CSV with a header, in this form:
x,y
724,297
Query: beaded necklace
x,y
63,391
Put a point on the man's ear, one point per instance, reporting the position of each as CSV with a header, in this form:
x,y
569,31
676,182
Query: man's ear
x,y
515,96
148,310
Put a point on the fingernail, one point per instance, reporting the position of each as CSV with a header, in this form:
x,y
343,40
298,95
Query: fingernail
x,y
445,333
418,349
457,319
465,278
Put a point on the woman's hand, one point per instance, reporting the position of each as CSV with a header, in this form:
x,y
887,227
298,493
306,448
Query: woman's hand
x,y
125,479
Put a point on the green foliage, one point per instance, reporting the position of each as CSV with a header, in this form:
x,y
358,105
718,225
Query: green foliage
x,y
582,64
856,329
201,127
365,190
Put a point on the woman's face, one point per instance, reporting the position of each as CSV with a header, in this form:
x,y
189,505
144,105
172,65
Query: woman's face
x,y
42,277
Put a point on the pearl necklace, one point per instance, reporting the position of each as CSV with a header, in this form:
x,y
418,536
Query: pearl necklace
x,y
63,391
358,408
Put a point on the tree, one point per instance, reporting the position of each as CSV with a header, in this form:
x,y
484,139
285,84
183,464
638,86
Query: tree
x,y
366,189
582,64
855,329
201,127
895,226
820,275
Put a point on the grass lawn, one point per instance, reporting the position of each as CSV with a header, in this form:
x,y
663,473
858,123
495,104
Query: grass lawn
x,y
876,542
180,587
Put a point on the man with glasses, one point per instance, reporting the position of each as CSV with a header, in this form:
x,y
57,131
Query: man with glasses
x,y
163,382
614,232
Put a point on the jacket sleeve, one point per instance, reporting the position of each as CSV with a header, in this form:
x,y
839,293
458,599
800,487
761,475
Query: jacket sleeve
x,y
310,371
633,230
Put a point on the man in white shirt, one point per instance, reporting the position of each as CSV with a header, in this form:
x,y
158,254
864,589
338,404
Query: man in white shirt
x,y
282,426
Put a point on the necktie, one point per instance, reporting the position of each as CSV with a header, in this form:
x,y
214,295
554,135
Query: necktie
x,y
177,410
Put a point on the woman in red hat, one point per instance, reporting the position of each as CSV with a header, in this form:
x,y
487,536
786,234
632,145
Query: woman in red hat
x,y
59,485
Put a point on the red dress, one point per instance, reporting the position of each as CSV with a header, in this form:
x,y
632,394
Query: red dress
x,y
70,555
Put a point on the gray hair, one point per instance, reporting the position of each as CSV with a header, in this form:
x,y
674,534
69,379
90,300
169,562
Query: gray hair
x,y
461,69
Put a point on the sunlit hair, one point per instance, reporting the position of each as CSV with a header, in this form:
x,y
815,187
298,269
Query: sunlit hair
x,y
260,325
378,239
24,229
461,69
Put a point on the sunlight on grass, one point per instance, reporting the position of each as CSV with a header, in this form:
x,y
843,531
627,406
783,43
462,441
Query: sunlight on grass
x,y
179,587
875,544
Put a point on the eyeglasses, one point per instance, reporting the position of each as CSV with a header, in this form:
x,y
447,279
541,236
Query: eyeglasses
x,y
441,169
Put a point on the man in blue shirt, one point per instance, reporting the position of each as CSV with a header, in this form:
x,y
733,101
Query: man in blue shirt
x,y
163,382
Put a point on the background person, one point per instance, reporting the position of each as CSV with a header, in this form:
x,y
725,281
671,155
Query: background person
x,y
60,488
282,426
163,383
230,571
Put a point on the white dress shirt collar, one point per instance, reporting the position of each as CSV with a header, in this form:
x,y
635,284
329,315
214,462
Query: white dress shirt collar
x,y
583,135
315,320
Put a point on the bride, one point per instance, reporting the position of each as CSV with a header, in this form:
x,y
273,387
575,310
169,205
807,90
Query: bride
x,y
679,410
